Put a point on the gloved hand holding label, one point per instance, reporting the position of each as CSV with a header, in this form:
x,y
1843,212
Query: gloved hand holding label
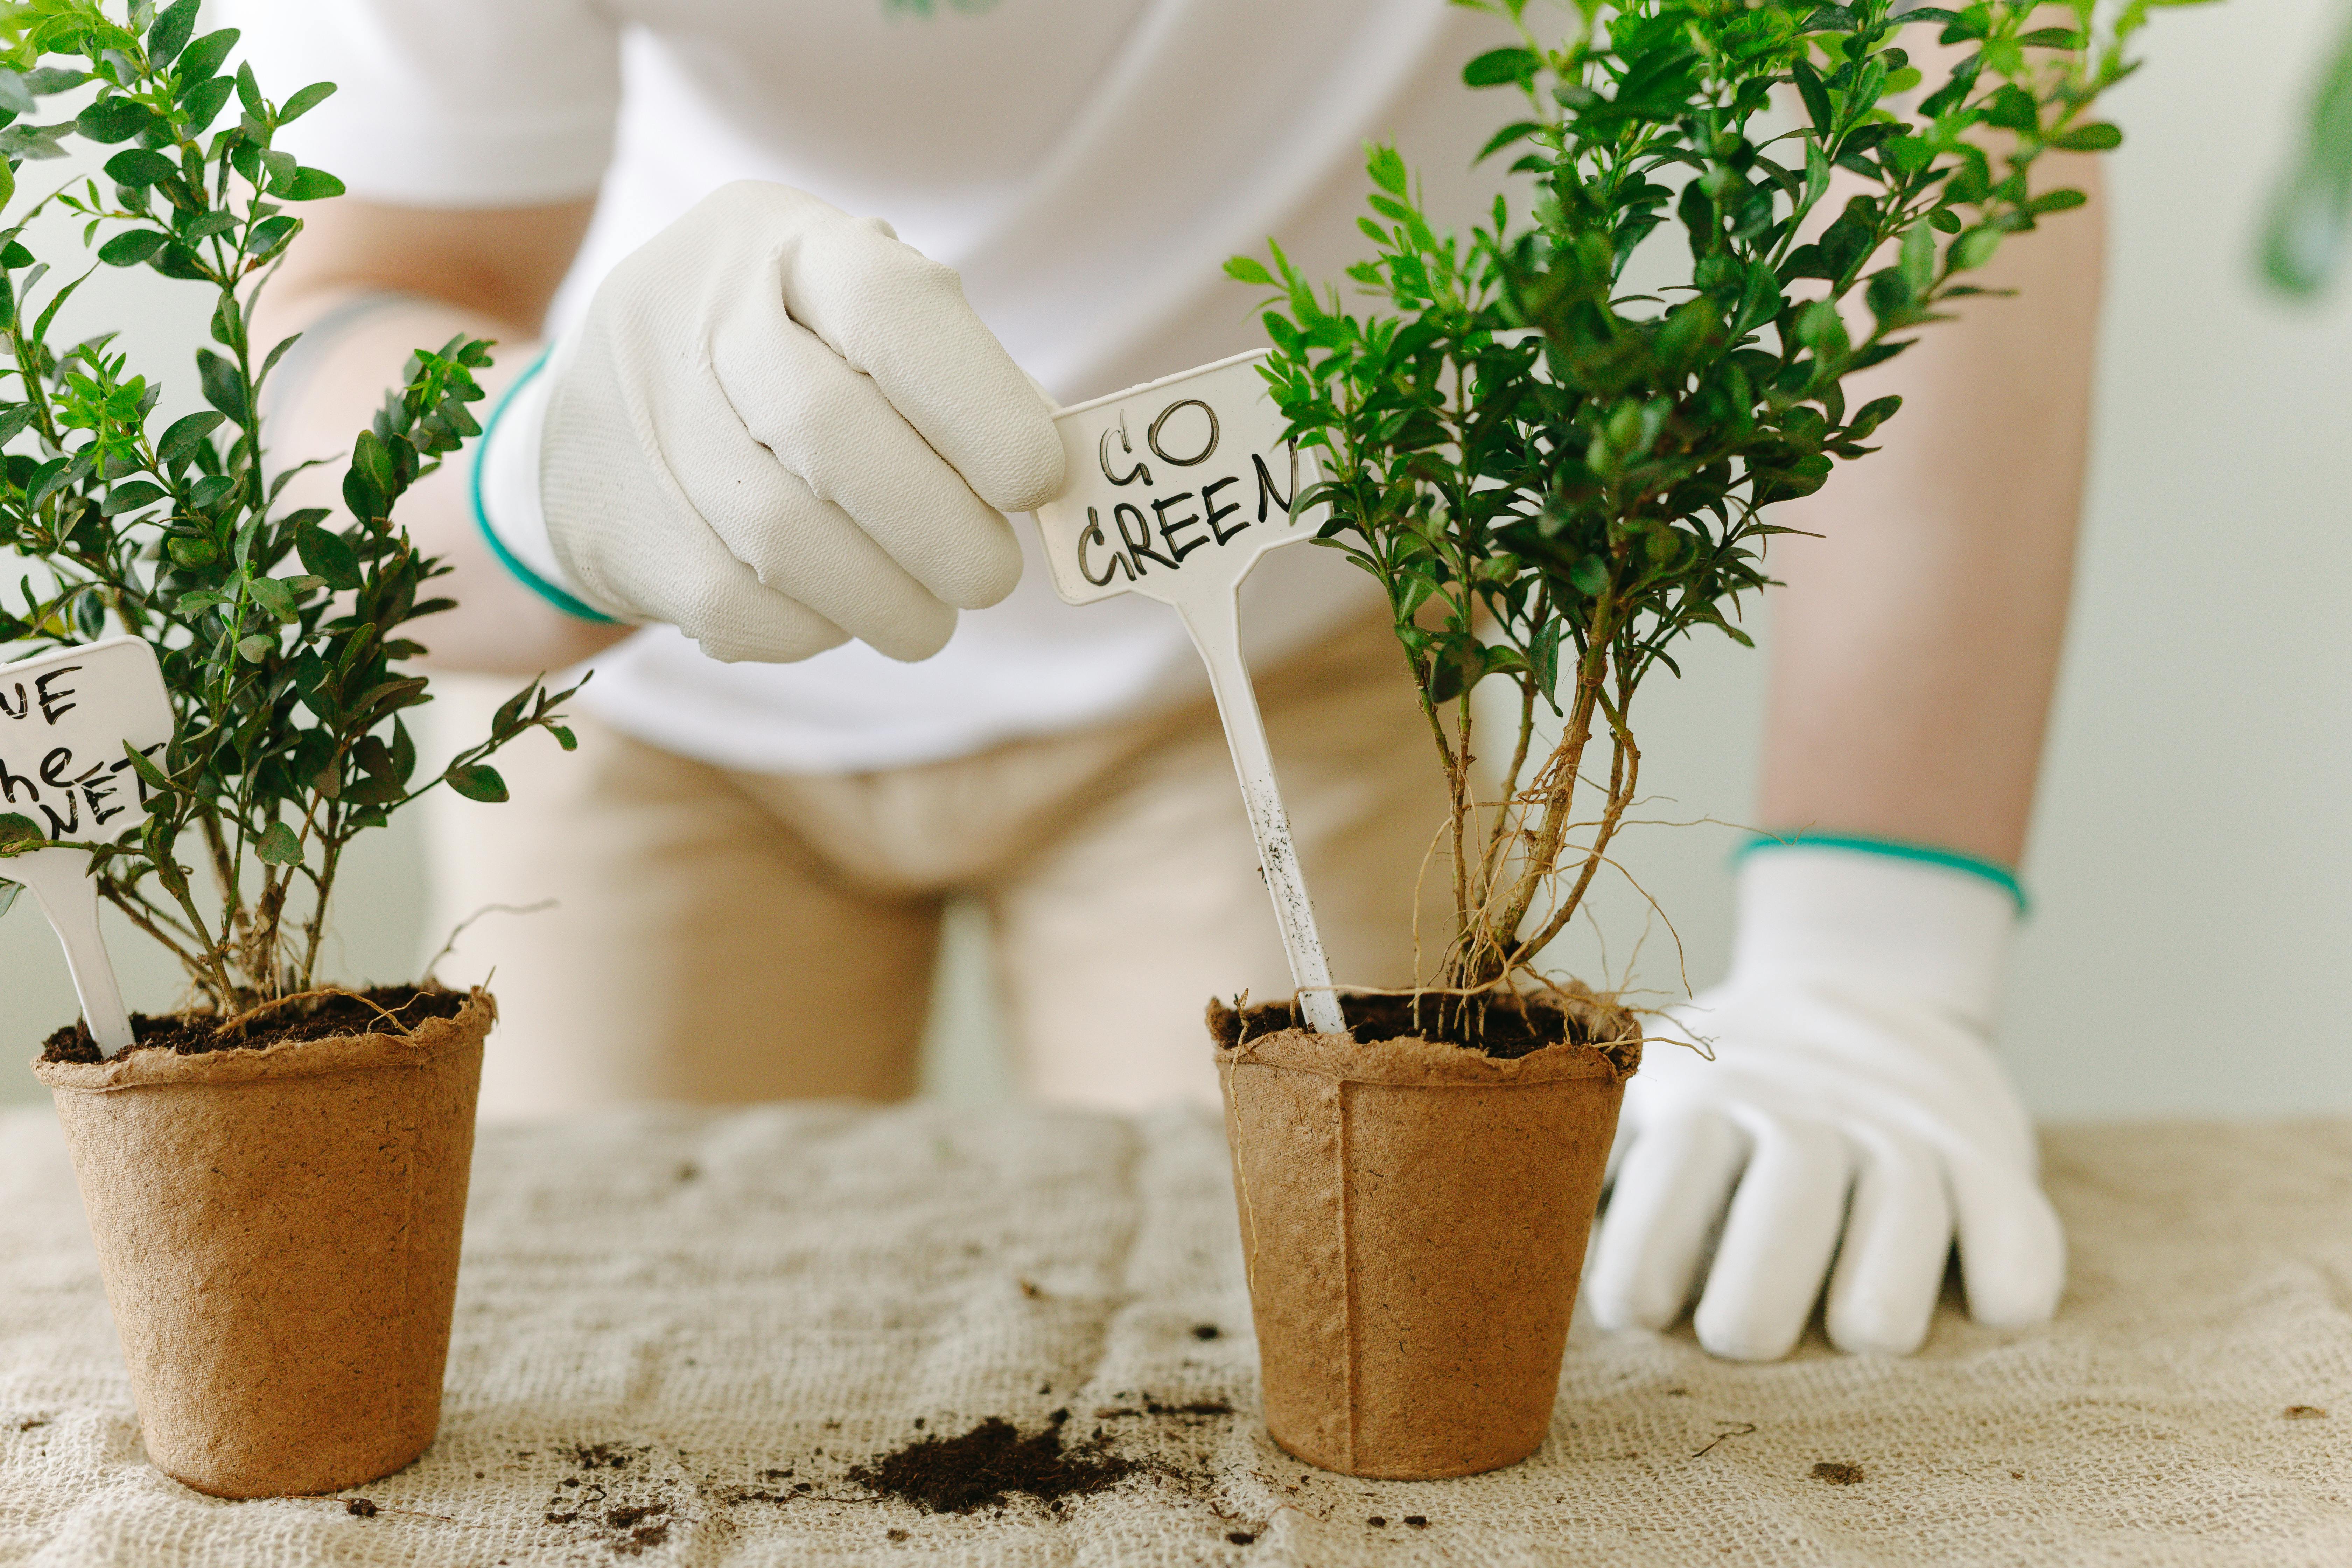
x,y
1176,487
1854,1110
778,429
68,720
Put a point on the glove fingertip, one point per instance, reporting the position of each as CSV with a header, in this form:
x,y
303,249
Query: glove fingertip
x,y
916,644
1737,1338
727,649
1023,475
2012,1250
1873,1332
2016,1303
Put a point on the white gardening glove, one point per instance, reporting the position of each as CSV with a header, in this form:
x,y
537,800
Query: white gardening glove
x,y
779,428
1855,1109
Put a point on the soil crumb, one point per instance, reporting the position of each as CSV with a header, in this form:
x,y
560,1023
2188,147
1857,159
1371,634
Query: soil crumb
x,y
2305,1412
1150,1407
191,1034
990,1464
602,1457
1419,1521
359,1508
1207,1331
1838,1473
1509,1029
1241,1538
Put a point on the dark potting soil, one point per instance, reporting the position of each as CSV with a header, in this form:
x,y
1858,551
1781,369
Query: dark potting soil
x,y
1509,1029
192,1033
991,1464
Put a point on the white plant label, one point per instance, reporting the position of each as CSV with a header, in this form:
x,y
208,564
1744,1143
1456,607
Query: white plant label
x,y
1175,489
64,719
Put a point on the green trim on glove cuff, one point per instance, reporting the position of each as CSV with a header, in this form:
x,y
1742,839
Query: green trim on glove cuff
x,y
1991,871
522,573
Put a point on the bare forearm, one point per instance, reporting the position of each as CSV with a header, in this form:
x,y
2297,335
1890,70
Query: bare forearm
x,y
500,625
1917,641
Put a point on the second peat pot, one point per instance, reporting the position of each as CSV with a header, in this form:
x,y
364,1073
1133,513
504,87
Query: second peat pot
x,y
1556,478
1413,1219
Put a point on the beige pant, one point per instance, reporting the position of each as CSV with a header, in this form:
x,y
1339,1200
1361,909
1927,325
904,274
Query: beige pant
x,y
722,936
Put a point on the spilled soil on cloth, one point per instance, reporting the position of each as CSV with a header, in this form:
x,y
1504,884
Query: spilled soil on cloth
x,y
1510,1027
385,1009
992,1464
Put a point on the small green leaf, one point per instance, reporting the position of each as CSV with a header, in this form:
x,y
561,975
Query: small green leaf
x,y
8,891
136,167
223,387
306,185
169,33
1497,66
256,647
204,101
1974,248
2055,202
1816,95
328,555
1517,131
1242,270
18,833
271,234
130,497
364,496
184,436
278,845
302,103
203,58
2097,137
370,457
131,246
476,781
149,773
113,119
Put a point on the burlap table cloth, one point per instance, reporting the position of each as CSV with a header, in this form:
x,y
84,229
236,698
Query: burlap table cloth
x,y
674,1320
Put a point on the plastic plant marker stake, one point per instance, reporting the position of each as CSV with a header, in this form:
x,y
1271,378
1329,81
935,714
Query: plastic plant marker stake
x,y
65,720
1175,489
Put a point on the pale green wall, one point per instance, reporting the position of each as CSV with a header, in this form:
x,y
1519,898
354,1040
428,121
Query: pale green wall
x,y
2194,843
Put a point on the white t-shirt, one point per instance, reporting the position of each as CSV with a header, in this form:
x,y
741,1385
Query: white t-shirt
x,y
1086,165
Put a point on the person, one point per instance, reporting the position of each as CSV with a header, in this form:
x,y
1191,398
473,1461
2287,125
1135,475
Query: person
x,y
758,481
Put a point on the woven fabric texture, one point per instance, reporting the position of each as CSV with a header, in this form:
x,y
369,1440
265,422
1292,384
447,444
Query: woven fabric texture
x,y
670,1323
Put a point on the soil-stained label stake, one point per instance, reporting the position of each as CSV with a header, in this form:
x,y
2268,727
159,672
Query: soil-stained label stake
x,y
66,719
1175,489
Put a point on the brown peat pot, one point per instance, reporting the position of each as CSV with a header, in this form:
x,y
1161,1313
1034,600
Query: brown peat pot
x,y
278,1231
1414,1218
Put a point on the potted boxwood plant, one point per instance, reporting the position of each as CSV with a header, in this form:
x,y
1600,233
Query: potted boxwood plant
x,y
1555,483
276,1177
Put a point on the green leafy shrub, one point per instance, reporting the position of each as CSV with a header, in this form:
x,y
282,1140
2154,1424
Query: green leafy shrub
x,y
281,636
1555,481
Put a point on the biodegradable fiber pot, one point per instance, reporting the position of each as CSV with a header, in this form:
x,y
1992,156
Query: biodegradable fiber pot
x,y
1414,1218
278,1232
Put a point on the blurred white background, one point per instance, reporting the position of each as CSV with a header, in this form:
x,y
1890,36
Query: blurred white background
x,y
2193,846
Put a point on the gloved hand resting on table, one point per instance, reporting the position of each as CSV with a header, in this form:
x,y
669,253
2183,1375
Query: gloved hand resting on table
x,y
778,429
1854,1059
